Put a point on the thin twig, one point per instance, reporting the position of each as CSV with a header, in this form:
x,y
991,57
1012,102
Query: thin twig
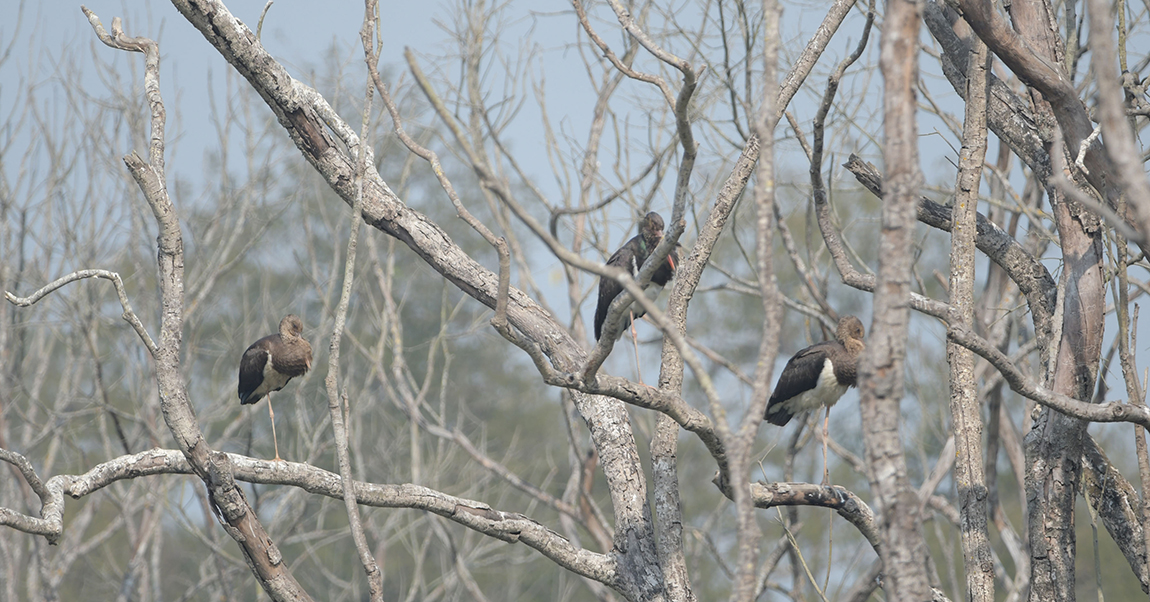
x,y
260,25
337,403
129,315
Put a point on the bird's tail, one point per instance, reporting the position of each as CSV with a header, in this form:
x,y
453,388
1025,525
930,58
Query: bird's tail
x,y
777,416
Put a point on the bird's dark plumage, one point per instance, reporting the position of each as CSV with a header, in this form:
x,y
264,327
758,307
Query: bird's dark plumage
x,y
269,363
818,375
631,257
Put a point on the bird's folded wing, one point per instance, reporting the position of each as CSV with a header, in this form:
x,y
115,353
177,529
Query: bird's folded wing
x,y
252,371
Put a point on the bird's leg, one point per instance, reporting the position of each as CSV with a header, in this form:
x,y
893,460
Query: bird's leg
x,y
635,340
274,440
826,470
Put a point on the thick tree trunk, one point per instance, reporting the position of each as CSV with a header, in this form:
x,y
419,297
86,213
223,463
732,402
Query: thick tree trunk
x,y
1054,444
904,551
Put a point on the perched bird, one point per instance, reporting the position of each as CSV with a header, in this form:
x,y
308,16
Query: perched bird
x,y
818,375
631,257
269,363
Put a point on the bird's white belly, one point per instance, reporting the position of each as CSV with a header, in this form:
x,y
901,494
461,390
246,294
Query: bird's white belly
x,y
654,292
273,381
826,393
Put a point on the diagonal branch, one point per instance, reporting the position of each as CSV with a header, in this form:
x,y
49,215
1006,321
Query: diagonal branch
x,y
1031,277
1019,383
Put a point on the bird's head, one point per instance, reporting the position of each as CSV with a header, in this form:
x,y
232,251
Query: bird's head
x,y
850,332
651,229
291,326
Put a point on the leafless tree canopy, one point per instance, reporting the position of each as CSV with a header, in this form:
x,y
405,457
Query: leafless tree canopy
x,y
970,178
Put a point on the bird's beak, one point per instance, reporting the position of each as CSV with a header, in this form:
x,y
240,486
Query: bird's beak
x,y
671,260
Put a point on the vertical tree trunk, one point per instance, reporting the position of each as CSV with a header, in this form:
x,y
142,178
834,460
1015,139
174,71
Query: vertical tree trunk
x,y
1054,444
904,550
966,416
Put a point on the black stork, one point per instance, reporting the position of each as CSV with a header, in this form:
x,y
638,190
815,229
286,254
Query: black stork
x,y
818,376
269,363
631,257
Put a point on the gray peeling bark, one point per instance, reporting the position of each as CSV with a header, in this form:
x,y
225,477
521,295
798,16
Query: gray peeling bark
x,y
742,439
966,417
1118,505
308,119
669,510
903,550
1054,444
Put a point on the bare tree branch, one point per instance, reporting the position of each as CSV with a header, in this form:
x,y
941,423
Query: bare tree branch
x,y
129,315
506,526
